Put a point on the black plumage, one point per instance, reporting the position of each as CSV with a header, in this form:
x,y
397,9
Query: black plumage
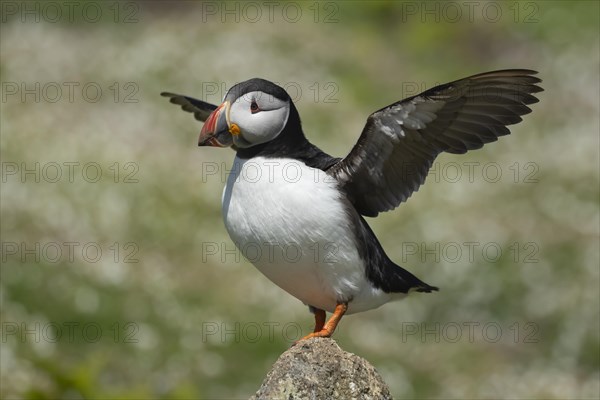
x,y
399,143
199,108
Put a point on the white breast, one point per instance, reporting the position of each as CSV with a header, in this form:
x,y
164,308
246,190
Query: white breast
x,y
288,220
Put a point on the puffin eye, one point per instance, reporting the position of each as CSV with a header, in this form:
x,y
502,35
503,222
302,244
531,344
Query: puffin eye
x,y
254,107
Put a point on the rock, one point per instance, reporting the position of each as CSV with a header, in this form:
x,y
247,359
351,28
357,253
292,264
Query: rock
x,y
318,368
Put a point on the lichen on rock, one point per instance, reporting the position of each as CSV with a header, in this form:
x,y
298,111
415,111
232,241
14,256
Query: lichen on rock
x,y
318,368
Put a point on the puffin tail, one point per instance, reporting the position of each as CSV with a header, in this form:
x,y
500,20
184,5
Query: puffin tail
x,y
405,282
383,273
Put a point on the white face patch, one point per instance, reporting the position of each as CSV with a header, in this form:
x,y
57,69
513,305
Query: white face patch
x,y
260,116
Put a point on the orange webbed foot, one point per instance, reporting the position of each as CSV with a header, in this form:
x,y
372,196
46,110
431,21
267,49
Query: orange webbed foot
x,y
326,330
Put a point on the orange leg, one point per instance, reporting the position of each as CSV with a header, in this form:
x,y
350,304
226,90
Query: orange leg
x,y
329,328
319,319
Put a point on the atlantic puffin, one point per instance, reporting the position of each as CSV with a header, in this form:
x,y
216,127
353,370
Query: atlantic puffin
x,y
284,194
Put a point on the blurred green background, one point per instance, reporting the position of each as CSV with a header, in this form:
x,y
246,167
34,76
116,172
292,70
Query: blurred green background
x,y
125,285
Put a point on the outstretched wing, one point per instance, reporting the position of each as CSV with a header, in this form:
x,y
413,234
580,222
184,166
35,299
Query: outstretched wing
x,y
201,109
400,142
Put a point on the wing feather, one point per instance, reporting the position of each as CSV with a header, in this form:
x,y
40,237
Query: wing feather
x,y
199,108
399,143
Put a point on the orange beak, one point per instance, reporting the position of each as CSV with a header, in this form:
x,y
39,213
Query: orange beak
x,y
216,131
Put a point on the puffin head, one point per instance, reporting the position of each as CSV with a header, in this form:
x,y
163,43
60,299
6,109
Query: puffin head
x,y
253,112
